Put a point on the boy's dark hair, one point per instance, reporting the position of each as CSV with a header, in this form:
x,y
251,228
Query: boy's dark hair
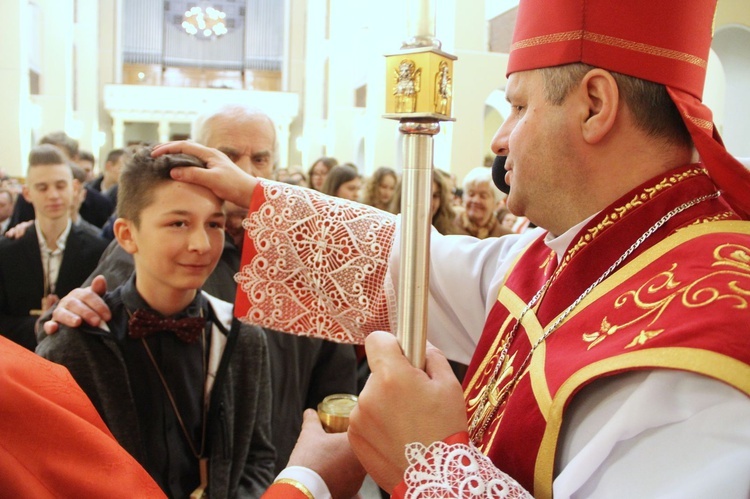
x,y
78,172
86,156
61,139
46,154
141,175
114,155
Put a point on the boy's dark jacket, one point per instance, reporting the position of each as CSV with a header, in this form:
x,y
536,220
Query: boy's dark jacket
x,y
241,454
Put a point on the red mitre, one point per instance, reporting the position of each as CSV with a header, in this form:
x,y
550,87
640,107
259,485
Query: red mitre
x,y
664,41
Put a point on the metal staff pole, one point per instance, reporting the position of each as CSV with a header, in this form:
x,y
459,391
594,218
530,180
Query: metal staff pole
x,y
419,78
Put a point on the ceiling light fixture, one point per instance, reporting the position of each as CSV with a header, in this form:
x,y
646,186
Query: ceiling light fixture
x,y
203,24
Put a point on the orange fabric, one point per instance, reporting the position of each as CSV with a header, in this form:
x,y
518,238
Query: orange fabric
x,y
283,491
665,41
52,441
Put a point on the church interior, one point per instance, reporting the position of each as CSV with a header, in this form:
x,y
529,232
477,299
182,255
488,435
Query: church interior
x,y
114,72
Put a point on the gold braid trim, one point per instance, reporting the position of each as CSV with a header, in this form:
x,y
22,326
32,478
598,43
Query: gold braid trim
x,y
620,211
566,36
705,124
643,48
297,485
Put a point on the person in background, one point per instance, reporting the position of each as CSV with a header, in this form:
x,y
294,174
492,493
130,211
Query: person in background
x,y
95,207
506,218
297,177
293,176
80,195
380,189
441,206
343,181
281,175
86,162
480,198
457,198
6,209
66,144
52,257
182,385
316,176
106,182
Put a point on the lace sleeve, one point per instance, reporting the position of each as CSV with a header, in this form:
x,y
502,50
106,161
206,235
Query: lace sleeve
x,y
314,265
454,468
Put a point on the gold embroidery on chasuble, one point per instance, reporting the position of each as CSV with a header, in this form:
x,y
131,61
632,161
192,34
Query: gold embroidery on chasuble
x,y
669,289
486,406
619,212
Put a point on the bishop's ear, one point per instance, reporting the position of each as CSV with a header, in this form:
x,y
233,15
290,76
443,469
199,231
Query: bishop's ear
x,y
602,98
125,232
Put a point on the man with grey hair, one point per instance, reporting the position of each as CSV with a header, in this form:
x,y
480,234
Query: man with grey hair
x,y
480,199
303,370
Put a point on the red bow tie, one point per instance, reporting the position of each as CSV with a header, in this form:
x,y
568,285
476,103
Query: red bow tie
x,y
144,323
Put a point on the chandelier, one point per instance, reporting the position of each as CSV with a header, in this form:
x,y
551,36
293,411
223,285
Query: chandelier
x,y
208,23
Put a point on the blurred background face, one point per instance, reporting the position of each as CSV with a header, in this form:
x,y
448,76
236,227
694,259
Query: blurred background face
x,y
349,190
112,169
88,167
509,220
318,175
235,215
249,142
479,201
435,200
50,189
386,189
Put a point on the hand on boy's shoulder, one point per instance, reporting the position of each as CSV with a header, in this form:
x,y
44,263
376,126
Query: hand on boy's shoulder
x,y
82,305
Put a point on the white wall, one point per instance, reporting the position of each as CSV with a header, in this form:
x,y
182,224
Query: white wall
x,y
732,45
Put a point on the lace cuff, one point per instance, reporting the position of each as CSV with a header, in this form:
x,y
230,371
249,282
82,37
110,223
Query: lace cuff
x,y
454,468
314,265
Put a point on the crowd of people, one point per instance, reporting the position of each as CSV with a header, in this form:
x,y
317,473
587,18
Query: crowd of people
x,y
597,314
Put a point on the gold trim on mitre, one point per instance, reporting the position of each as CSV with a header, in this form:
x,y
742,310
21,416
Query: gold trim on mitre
x,y
612,41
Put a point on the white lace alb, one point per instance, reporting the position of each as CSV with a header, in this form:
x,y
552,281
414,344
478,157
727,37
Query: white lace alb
x,y
456,470
320,265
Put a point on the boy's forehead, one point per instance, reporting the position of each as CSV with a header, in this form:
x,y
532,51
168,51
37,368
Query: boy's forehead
x,y
170,193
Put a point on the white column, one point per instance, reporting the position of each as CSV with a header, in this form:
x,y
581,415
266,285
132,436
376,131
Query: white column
x,y
118,133
164,130
110,62
282,138
56,97
86,37
15,120
316,55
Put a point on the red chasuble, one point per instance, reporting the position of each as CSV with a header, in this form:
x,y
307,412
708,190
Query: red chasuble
x,y
679,301
53,442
